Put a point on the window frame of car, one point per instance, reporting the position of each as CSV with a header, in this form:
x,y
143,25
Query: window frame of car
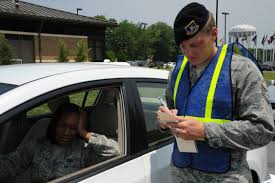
x,y
133,118
139,110
66,90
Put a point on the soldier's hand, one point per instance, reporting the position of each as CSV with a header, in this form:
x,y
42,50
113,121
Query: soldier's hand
x,y
187,128
166,110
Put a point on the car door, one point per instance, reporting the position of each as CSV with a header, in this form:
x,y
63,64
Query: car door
x,y
157,158
149,150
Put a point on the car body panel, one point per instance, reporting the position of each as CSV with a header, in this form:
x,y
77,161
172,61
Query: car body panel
x,y
271,92
154,165
257,161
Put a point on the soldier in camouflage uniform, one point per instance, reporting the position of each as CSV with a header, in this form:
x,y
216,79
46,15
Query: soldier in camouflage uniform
x,y
252,122
62,152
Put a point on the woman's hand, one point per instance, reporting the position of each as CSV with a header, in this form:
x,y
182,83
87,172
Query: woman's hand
x,y
82,126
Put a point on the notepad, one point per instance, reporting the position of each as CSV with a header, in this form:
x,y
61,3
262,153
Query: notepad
x,y
189,146
183,145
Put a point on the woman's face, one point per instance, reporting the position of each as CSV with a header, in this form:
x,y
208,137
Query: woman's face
x,y
199,48
67,128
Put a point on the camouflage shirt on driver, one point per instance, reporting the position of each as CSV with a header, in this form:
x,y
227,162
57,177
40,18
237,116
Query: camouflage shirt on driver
x,y
48,161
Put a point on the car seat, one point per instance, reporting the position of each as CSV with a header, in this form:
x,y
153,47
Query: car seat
x,y
103,119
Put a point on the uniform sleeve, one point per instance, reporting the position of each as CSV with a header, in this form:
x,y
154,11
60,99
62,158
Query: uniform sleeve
x,y
253,124
100,148
16,162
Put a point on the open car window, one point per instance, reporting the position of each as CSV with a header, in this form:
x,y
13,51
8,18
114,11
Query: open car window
x,y
28,131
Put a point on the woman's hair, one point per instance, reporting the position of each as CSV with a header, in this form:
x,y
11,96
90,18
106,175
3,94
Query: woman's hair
x,y
61,110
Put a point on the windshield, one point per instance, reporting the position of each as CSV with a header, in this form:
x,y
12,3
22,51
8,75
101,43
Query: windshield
x,y
5,87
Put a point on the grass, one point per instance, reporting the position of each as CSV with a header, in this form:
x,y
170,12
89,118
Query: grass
x,y
269,75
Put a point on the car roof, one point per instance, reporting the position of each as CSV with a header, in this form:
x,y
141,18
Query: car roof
x,y
20,74
34,80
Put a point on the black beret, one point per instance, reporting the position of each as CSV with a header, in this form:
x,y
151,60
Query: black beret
x,y
189,21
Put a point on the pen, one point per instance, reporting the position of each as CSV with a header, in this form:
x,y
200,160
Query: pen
x,y
162,102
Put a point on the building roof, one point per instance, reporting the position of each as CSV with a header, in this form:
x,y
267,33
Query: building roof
x,y
33,11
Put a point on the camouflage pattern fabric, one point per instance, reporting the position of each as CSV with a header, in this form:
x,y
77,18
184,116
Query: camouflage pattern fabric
x,y
253,125
48,161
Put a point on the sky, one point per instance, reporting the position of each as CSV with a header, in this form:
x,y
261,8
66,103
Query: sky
x,y
257,13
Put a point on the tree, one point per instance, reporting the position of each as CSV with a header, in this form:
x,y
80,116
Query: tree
x,y
121,57
161,42
100,17
82,51
140,43
111,55
63,52
6,51
123,37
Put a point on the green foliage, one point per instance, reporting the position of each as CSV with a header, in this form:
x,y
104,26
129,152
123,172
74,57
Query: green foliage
x,y
82,51
162,42
137,42
63,52
6,51
123,37
100,17
121,57
111,55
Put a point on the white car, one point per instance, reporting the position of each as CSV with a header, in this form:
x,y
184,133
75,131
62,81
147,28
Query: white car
x,y
120,100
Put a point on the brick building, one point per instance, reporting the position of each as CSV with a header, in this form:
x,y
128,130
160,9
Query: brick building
x,y
34,31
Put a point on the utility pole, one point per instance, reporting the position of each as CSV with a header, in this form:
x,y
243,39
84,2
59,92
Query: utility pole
x,y
225,13
78,9
217,7
141,39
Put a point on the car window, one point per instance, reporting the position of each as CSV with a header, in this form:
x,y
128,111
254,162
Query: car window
x,y
91,97
39,110
148,94
29,131
77,98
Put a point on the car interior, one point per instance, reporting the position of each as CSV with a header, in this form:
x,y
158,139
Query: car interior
x,y
103,115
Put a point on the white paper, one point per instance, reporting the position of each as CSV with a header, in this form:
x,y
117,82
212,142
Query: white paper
x,y
272,180
186,145
183,145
